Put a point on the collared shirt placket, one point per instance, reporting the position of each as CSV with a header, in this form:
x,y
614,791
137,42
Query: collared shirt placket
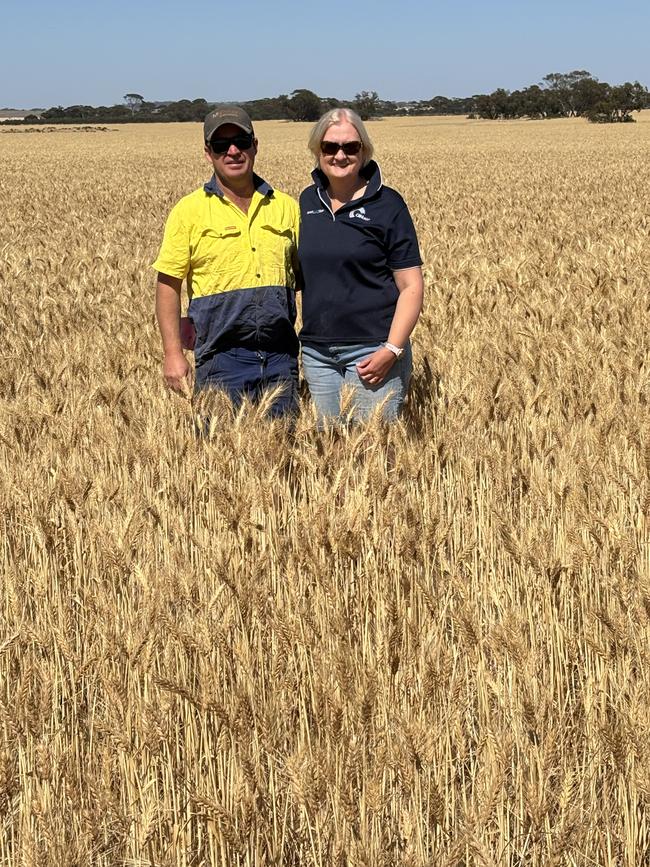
x,y
246,222
252,213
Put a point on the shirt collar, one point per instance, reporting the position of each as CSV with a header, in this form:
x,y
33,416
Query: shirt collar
x,y
212,188
370,173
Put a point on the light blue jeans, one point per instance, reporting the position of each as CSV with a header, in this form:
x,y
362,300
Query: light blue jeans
x,y
328,369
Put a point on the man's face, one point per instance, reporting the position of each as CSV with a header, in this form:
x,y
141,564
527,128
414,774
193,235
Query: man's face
x,y
234,163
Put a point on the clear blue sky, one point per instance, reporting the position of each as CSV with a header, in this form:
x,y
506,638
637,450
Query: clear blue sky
x,y
74,52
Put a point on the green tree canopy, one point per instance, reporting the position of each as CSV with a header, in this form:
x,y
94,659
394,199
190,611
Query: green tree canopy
x,y
305,105
366,104
563,86
133,100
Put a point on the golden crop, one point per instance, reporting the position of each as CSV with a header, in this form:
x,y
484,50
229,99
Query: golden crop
x,y
419,646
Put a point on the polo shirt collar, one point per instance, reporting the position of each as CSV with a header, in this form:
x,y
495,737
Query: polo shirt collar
x,y
212,187
370,173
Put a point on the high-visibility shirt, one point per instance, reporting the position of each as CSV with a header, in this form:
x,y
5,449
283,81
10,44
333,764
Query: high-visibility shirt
x,y
240,268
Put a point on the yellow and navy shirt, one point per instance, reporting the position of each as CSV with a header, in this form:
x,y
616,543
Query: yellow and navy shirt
x,y
241,269
347,260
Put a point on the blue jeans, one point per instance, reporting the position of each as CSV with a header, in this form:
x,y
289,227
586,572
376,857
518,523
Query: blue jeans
x,y
328,368
249,373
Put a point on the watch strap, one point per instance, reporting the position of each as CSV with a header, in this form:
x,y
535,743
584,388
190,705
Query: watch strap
x,y
396,350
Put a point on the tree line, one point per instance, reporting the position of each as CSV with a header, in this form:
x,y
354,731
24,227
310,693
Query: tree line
x,y
571,94
566,94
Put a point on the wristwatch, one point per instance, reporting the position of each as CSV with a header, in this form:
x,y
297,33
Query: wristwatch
x,y
397,351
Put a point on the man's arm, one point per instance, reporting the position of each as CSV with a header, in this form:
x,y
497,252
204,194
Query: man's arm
x,y
176,369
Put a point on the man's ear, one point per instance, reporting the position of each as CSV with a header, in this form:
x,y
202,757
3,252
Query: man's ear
x,y
255,144
206,154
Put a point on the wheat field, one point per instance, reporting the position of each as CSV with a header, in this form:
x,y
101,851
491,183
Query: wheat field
x,y
423,645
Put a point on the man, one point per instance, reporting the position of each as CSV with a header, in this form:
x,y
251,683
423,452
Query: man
x,y
234,241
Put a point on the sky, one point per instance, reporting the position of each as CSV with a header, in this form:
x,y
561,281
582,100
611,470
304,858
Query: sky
x,y
71,52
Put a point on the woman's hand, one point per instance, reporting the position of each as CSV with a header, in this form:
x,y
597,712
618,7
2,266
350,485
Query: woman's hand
x,y
374,369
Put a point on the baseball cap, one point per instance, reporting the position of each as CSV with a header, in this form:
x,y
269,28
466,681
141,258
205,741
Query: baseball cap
x,y
226,114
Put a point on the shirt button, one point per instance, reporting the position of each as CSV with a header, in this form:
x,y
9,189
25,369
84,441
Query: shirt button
x,y
258,275
253,249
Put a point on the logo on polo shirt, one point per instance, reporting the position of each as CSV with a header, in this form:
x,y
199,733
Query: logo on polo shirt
x,y
319,211
360,214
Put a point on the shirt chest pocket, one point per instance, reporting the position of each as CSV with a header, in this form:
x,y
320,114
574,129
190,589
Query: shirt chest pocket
x,y
218,250
276,245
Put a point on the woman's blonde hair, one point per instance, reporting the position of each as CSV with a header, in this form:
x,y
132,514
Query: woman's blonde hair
x,y
337,115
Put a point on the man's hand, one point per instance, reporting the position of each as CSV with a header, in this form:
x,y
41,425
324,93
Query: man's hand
x,y
176,371
374,369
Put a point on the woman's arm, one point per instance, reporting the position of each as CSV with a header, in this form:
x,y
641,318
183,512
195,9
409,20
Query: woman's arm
x,y
410,286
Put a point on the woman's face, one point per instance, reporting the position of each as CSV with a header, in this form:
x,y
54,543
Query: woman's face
x,y
341,166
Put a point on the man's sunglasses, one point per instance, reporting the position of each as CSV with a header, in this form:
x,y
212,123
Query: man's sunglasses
x,y
331,148
242,141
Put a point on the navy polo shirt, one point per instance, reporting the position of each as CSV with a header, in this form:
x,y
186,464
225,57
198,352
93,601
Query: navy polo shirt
x,y
347,260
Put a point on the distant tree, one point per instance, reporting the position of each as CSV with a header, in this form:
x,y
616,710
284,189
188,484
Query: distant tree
x,y
618,103
534,102
133,100
80,112
54,113
563,86
494,105
631,96
366,104
329,102
122,112
305,105
269,108
181,110
445,105
484,106
587,93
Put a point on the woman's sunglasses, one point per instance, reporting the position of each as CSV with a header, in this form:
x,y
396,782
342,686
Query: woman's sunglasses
x,y
242,142
331,148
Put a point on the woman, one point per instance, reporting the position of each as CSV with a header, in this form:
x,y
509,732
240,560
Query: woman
x,y
362,277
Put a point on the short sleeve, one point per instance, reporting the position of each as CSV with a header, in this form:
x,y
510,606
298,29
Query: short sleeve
x,y
174,256
295,264
402,243
295,211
